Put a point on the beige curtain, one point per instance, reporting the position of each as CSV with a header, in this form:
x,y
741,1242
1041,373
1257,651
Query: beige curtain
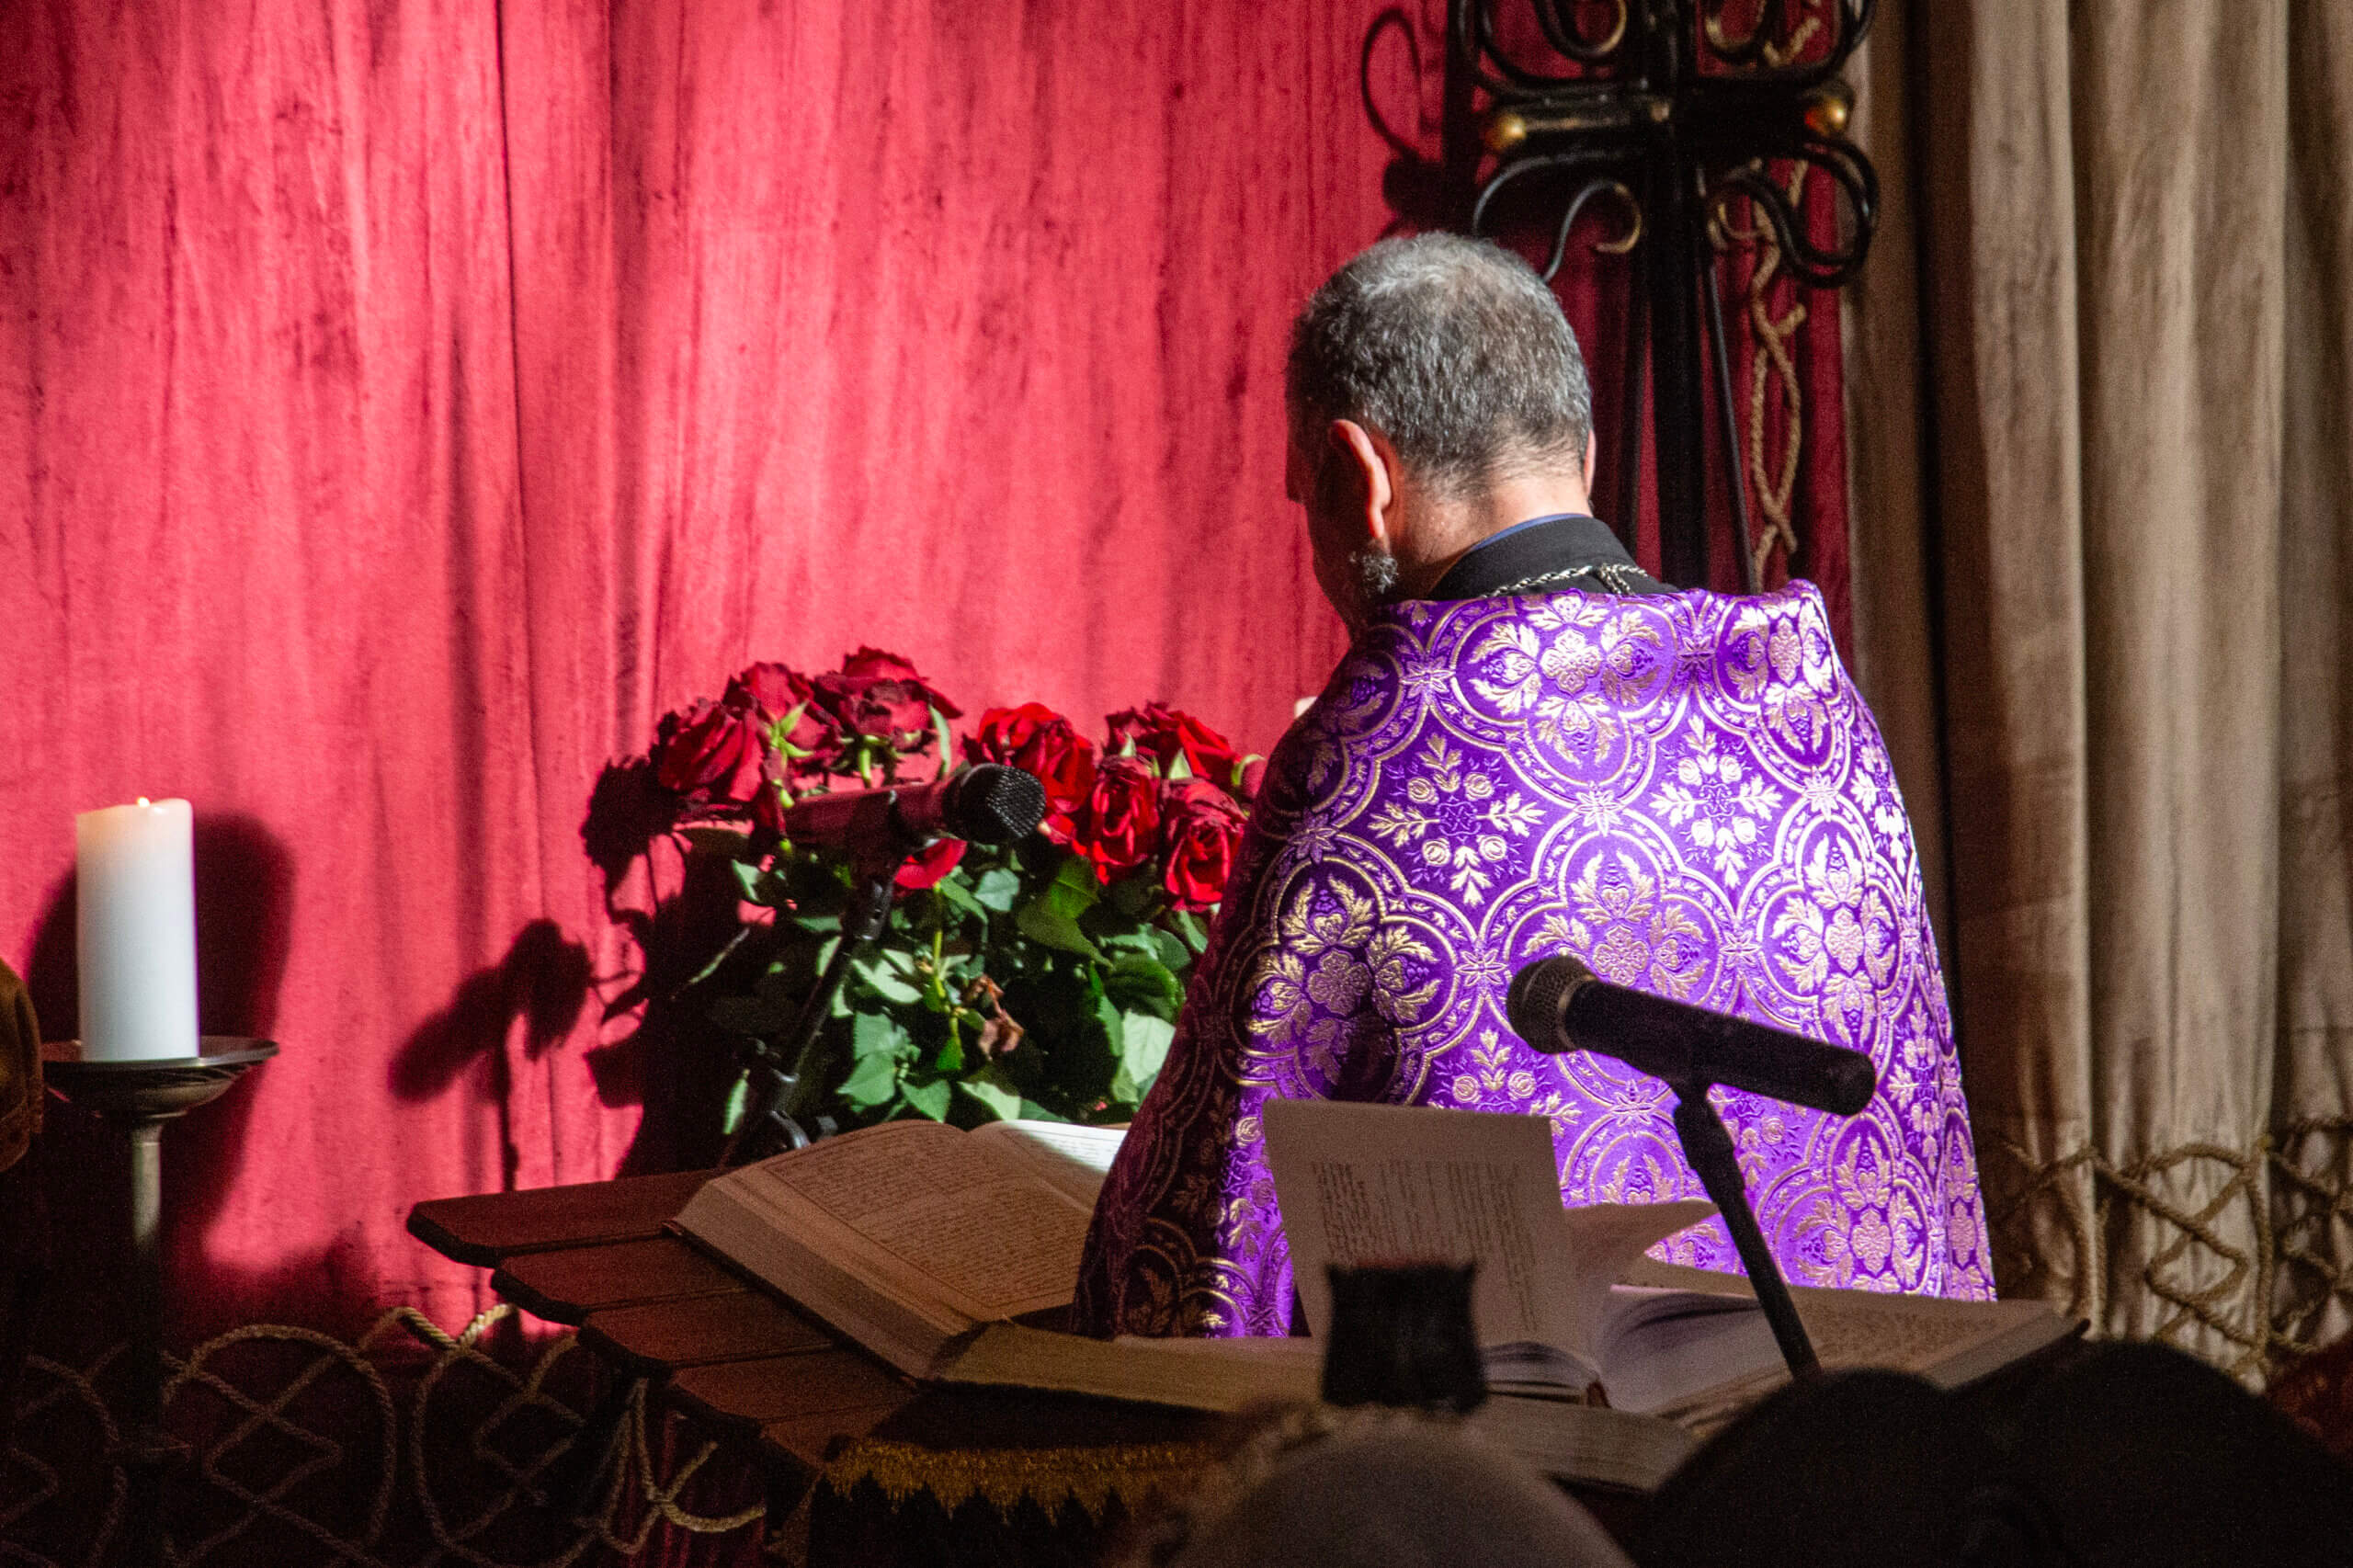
x,y
2104,502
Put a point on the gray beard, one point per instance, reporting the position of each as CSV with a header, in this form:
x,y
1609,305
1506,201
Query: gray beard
x,y
1376,573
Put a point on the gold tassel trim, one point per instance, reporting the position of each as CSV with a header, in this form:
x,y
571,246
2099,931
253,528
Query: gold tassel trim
x,y
1091,1477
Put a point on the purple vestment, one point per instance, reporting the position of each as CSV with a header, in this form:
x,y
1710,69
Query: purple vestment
x,y
1685,791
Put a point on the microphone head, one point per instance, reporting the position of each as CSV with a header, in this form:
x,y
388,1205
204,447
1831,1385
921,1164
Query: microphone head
x,y
991,803
1849,1081
1538,993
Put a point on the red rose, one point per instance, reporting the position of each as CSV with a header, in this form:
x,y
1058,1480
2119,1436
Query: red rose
x,y
1035,738
774,689
1200,829
929,864
876,693
711,753
1122,827
1162,734
777,692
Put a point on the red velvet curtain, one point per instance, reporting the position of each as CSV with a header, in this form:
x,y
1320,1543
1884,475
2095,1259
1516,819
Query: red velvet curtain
x,y
402,405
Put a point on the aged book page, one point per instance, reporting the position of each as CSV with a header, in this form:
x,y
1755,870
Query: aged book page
x,y
1367,1184
905,1235
1072,1157
964,1220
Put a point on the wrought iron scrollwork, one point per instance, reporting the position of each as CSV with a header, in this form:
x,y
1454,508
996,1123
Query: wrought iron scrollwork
x,y
1857,181
1679,111
1594,185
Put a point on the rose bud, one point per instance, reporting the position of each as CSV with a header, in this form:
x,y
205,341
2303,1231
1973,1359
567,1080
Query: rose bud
x,y
1162,734
710,753
1201,830
1035,738
768,803
1122,828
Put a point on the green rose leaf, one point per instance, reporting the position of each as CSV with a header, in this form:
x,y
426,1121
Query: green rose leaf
x,y
875,1035
1140,984
995,1094
1172,953
931,1098
1144,1048
1131,896
952,890
997,888
1042,920
1075,887
885,974
871,1082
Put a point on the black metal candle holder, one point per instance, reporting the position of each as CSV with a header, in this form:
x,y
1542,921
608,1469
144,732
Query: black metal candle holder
x,y
138,1097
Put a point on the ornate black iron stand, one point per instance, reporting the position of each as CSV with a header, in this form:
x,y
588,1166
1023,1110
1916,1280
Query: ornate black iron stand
x,y
139,1097
1672,108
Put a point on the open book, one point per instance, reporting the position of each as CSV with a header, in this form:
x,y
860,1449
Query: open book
x,y
909,1235
1363,1184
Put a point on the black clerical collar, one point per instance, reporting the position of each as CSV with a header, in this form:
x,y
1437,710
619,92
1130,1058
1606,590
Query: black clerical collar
x,y
1566,550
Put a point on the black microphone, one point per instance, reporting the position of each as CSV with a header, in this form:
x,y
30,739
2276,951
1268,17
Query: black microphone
x,y
1557,1005
986,804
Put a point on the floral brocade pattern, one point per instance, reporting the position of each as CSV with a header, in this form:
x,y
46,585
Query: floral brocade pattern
x,y
1685,791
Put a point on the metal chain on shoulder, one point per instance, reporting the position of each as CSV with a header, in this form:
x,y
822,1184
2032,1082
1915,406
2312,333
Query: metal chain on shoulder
x,y
1615,578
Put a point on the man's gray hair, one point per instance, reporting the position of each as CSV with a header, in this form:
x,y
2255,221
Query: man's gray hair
x,y
1452,348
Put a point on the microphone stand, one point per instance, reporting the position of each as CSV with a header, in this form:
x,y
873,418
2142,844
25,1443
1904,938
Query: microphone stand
x,y
1708,1149
782,1102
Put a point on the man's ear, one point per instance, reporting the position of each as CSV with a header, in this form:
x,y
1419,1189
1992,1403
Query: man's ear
x,y
1363,462
1591,450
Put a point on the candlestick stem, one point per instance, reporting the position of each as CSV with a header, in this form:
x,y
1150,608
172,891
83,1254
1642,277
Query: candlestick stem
x,y
140,1096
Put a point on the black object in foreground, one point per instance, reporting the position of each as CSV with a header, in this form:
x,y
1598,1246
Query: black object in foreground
x,y
1558,1005
1402,1336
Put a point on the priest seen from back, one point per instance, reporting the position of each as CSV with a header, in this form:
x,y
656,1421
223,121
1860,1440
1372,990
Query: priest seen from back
x,y
1530,749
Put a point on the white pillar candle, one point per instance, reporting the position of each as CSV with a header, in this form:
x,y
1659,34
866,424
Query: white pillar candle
x,y
135,924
